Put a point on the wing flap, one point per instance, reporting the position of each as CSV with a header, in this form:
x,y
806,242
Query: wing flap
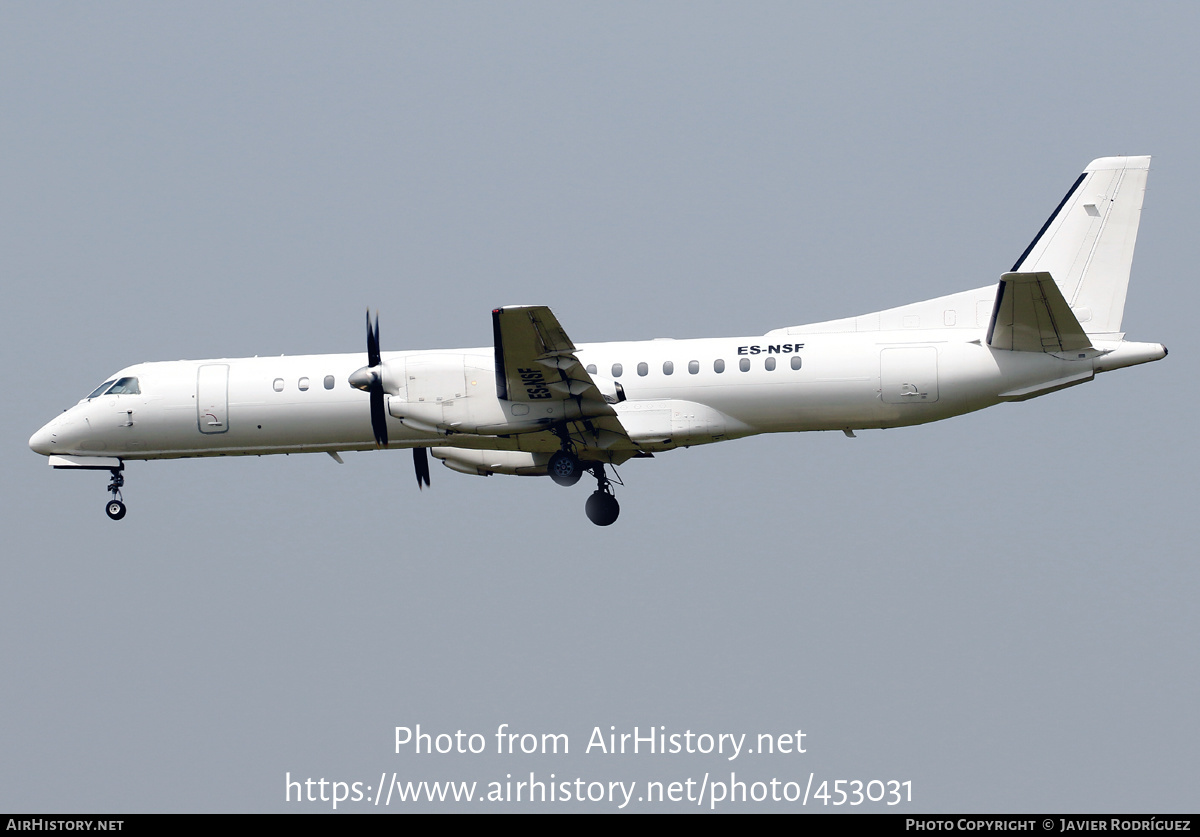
x,y
535,361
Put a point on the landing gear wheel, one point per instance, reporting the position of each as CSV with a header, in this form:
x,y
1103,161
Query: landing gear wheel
x,y
564,468
115,508
602,509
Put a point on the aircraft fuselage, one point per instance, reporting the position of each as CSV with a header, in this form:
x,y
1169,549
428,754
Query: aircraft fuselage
x,y
304,403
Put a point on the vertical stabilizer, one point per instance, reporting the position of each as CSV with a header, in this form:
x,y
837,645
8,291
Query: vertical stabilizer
x,y
1087,244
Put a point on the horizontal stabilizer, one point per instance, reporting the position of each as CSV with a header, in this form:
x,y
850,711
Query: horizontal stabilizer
x,y
1031,315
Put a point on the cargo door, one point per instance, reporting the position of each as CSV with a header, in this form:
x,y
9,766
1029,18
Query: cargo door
x,y
212,398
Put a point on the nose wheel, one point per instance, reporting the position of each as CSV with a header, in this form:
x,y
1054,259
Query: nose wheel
x,y
602,507
115,508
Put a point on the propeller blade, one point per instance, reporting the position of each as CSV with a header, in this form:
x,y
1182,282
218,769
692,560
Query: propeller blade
x,y
421,463
372,341
378,418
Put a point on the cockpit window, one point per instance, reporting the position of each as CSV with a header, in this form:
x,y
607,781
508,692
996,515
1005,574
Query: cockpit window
x,y
125,386
100,389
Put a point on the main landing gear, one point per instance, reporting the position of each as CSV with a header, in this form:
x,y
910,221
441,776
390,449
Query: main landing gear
x,y
602,507
115,507
565,468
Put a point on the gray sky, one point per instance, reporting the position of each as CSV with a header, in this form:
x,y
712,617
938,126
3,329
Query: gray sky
x,y
998,608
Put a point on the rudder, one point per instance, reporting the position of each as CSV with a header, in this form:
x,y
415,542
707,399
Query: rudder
x,y
1087,244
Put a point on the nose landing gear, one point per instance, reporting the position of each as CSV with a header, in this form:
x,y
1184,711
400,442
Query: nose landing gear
x,y
115,507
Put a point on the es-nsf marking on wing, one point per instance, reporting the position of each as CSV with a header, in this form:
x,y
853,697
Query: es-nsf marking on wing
x,y
535,361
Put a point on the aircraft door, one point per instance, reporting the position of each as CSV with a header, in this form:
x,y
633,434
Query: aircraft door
x,y
908,375
212,398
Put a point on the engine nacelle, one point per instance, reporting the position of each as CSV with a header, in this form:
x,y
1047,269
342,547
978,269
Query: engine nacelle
x,y
610,388
477,414
439,393
484,463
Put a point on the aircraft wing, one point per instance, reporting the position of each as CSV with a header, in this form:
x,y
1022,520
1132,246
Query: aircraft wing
x,y
1032,315
535,362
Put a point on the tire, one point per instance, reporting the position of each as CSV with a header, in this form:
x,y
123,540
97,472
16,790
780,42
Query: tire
x,y
602,509
564,468
115,509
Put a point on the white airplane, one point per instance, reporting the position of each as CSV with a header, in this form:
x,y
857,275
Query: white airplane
x,y
534,403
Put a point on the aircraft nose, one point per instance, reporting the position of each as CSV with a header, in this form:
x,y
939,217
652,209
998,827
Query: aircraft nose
x,y
51,439
43,441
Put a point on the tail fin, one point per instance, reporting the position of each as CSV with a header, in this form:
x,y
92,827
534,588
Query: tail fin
x,y
1087,244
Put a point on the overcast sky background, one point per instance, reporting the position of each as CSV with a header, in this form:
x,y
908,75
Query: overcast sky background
x,y
1000,608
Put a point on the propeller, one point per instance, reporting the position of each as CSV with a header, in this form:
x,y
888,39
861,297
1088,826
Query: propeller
x,y
370,380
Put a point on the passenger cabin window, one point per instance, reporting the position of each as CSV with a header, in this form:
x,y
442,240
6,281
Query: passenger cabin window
x,y
302,384
693,367
770,364
718,365
98,391
591,369
643,369
277,385
796,361
744,364
668,367
617,370
329,382
125,386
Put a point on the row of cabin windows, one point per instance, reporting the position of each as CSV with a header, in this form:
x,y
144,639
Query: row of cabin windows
x,y
303,384
643,369
668,367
